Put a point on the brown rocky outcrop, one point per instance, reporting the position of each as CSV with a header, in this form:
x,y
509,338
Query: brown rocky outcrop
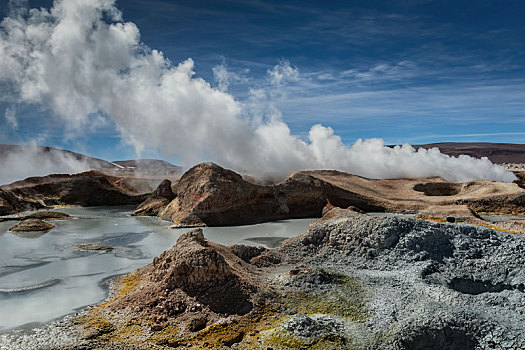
x,y
87,189
452,213
205,279
247,253
210,195
48,215
10,204
32,225
42,215
157,201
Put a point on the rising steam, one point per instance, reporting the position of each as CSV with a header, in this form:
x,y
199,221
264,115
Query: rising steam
x,y
80,60
26,161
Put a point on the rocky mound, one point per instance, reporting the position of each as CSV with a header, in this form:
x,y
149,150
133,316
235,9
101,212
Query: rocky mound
x,y
465,283
450,213
41,215
191,285
210,195
87,189
414,195
32,225
48,215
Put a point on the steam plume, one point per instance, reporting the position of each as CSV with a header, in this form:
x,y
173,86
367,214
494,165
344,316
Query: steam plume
x,y
25,161
80,60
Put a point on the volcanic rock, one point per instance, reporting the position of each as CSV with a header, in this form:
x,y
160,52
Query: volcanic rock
x,y
95,247
451,213
157,201
247,253
43,215
87,189
32,225
210,195
195,281
11,204
48,215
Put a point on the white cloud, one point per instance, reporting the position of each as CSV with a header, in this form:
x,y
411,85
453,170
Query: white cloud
x,y
282,73
224,77
79,65
325,76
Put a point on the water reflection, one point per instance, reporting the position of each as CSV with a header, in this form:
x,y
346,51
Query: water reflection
x,y
29,234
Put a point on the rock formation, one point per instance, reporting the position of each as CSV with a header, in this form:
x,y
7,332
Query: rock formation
x,y
193,284
42,215
32,225
157,201
10,204
87,189
210,195
47,215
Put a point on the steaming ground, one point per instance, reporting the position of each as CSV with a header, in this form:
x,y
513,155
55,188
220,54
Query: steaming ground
x,y
83,62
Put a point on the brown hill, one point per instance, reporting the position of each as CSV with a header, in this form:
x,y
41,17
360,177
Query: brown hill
x,y
87,189
210,195
498,153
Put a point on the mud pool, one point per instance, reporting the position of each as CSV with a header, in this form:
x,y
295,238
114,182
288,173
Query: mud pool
x,y
43,276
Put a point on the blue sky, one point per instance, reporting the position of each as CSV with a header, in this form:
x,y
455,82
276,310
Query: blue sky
x,y
405,71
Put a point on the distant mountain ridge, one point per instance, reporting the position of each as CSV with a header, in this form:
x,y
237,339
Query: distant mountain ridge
x,y
94,163
148,164
498,153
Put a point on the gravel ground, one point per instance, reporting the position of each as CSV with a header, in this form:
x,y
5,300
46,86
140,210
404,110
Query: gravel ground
x,y
430,285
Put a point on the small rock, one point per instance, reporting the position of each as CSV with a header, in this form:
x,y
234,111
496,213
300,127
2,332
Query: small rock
x,y
32,225
197,323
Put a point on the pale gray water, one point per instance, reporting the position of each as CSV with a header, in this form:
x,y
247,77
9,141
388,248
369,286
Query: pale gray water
x,y
43,277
